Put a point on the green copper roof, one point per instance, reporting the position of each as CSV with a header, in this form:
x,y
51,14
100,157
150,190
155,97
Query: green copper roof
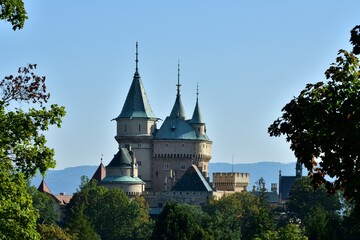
x,y
121,158
136,104
175,128
197,117
178,109
122,179
271,197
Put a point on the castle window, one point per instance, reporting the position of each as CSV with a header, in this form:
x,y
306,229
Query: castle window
x,y
139,163
139,128
204,167
139,145
182,166
183,145
125,128
166,166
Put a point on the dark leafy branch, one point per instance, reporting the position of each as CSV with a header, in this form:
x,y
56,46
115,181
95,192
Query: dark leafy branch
x,y
322,125
13,11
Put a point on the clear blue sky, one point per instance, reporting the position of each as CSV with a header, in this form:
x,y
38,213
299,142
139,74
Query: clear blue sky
x,y
248,57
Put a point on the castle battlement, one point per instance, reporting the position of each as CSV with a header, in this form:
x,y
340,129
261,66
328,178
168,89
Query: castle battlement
x,y
231,181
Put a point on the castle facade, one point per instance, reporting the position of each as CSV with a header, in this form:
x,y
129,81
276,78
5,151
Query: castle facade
x,y
160,156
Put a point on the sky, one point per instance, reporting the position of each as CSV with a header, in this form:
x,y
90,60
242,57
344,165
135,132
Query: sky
x,y
249,59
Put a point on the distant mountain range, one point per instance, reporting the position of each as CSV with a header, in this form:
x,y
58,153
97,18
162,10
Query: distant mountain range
x,y
68,179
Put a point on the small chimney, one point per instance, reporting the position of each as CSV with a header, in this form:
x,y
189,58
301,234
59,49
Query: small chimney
x,y
274,187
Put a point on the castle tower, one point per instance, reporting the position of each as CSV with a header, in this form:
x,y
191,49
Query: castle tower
x,y
199,125
122,172
136,124
177,145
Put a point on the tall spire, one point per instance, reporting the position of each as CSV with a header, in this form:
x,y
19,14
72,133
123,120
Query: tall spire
x,y
137,57
197,92
197,117
178,109
178,84
136,104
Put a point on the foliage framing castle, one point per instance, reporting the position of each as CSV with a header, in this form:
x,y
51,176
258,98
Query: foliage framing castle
x,y
152,158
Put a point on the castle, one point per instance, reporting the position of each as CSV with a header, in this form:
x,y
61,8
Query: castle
x,y
166,161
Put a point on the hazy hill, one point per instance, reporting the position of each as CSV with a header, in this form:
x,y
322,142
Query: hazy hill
x,y
68,179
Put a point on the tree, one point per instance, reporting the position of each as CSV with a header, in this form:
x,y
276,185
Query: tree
x,y
107,213
23,149
53,232
239,216
260,185
316,210
17,216
46,206
303,198
81,211
322,125
288,232
181,221
13,11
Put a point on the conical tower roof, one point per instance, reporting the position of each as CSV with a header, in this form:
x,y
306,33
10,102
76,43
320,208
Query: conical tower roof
x,y
137,104
178,109
197,116
44,188
121,158
100,173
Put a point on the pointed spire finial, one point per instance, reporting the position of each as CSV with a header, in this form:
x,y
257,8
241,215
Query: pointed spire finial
x,y
101,158
137,57
197,92
178,84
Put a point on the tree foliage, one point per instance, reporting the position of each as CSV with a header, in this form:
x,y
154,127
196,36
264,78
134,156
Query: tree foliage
x,y
17,216
13,11
288,232
181,221
109,214
303,198
53,232
322,125
46,206
22,140
23,149
239,216
316,210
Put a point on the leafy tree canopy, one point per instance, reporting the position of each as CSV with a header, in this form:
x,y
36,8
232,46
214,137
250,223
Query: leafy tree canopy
x,y
53,232
322,125
239,216
110,214
21,140
46,206
17,216
22,148
181,221
13,11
